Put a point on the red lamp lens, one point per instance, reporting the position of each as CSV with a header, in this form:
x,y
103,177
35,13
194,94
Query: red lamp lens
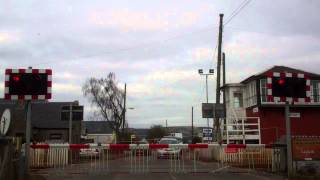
x,y
16,78
281,82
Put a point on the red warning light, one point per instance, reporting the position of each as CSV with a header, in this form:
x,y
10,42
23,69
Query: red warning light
x,y
16,78
281,82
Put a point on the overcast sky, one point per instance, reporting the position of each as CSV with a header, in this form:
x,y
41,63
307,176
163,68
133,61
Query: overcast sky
x,y
156,47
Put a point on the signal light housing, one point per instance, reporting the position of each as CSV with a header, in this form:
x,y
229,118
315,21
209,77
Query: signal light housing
x,y
289,87
28,84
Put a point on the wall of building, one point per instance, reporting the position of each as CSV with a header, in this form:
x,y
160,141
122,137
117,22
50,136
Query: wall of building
x,y
272,121
55,135
45,120
231,110
100,138
18,123
250,94
51,135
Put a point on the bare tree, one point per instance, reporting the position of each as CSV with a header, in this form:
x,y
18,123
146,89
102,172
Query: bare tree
x,y
156,132
105,94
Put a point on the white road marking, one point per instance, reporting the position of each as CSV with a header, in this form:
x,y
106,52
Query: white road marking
x,y
172,176
219,169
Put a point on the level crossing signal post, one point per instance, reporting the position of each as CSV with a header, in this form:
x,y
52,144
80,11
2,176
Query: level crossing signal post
x,y
28,85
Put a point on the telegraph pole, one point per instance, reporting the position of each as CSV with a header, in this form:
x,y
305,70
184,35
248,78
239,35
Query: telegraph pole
x,y
192,123
124,106
223,84
219,60
223,72
70,124
217,123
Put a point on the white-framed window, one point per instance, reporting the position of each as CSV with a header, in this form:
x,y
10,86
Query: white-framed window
x,y
263,90
250,94
237,100
315,91
77,113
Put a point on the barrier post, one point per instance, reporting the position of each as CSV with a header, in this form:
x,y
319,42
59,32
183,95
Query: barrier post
x,y
252,160
143,159
194,161
148,160
135,160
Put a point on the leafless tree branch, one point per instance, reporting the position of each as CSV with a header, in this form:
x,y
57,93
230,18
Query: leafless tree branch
x,y
108,98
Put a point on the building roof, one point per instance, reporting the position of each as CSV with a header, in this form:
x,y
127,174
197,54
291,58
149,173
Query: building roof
x,y
97,127
232,85
280,69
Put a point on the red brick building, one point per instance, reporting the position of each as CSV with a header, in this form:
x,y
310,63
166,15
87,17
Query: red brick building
x,y
265,94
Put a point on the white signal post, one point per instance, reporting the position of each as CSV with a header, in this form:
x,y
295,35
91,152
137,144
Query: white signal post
x,y
132,137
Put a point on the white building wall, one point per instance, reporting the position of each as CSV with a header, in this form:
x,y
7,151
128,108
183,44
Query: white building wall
x,y
237,129
101,138
233,112
250,94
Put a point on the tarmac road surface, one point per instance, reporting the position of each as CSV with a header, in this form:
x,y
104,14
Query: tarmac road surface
x,y
164,176
158,169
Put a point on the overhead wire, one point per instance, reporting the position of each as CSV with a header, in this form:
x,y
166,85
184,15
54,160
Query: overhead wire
x,y
234,13
237,11
228,20
214,56
231,16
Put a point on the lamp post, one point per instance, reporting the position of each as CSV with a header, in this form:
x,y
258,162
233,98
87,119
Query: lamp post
x,y
211,72
129,108
124,107
123,125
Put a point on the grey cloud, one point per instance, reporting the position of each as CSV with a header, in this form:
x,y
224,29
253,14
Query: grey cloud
x,y
58,35
293,17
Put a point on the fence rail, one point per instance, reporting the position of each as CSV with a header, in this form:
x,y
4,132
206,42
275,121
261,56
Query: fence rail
x,y
256,157
134,158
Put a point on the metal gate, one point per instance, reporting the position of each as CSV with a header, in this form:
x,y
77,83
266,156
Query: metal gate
x,y
144,158
133,158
